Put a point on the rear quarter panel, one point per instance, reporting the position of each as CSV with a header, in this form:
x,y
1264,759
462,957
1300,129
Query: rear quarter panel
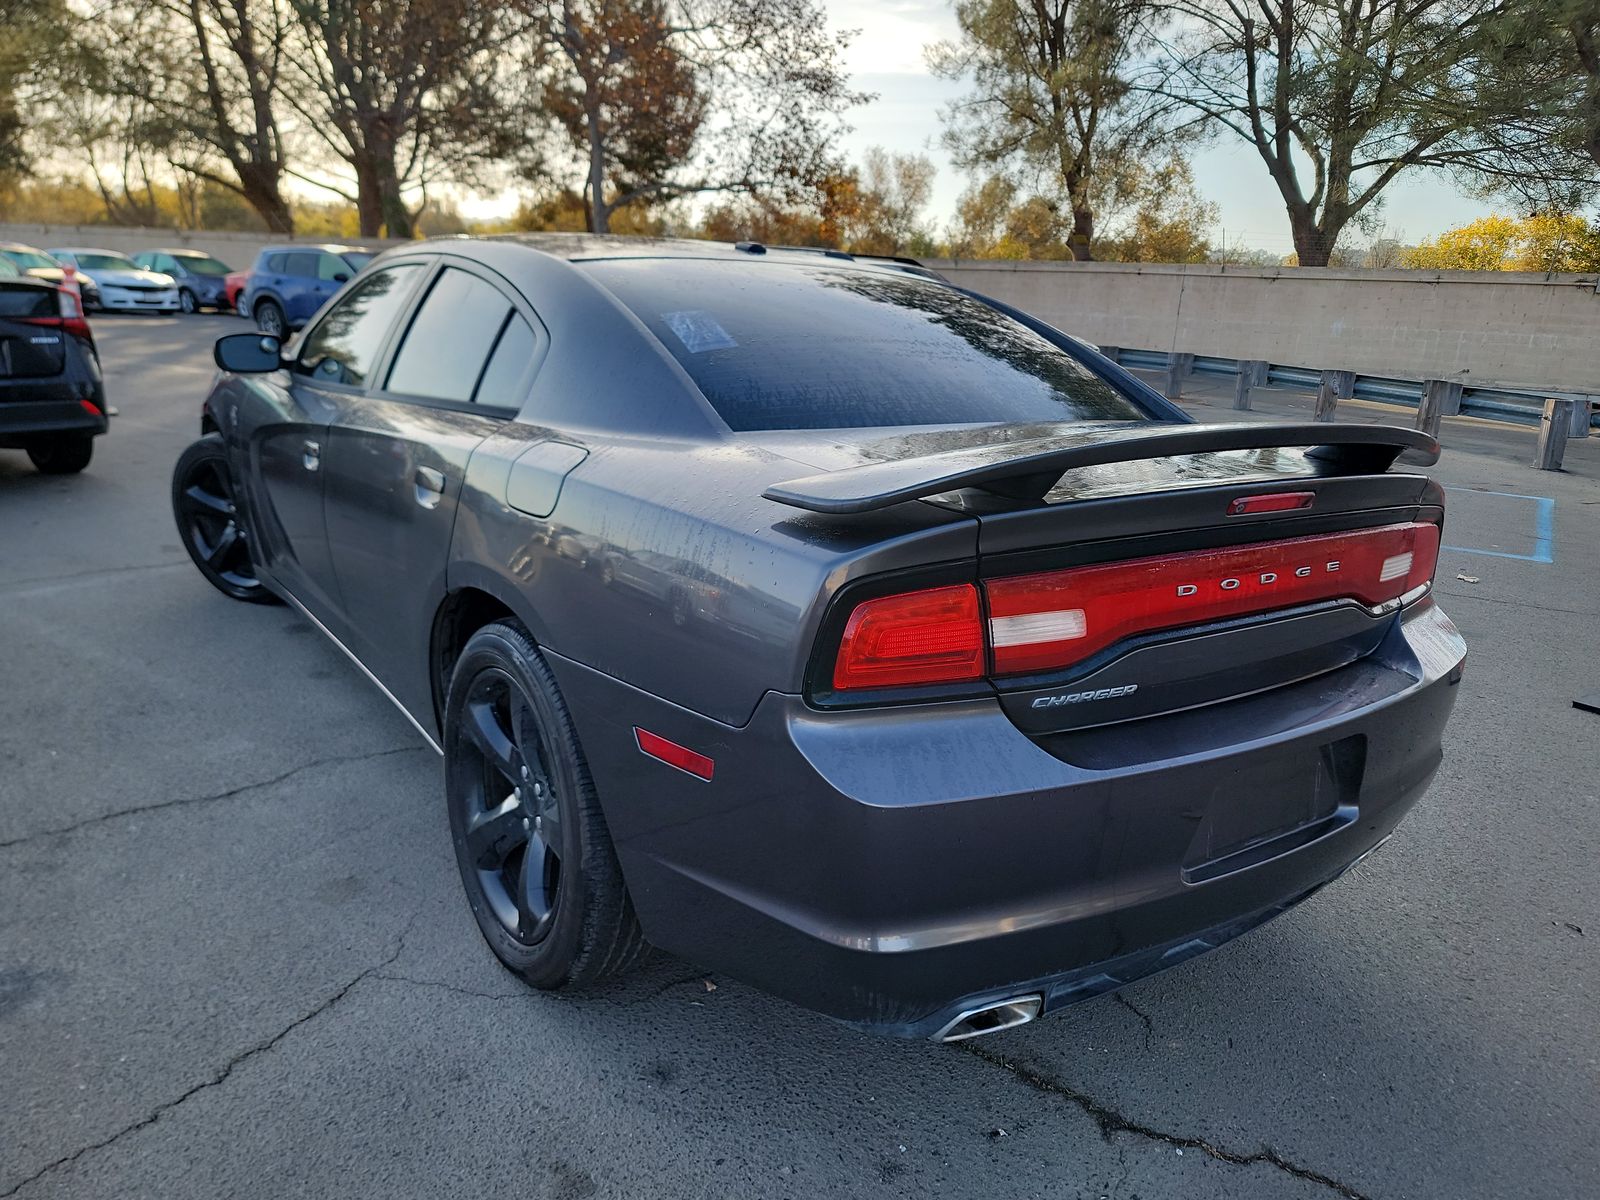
x,y
662,566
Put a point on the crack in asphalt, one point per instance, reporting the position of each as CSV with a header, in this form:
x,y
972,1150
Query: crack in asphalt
x,y
393,977
184,801
223,1073
1149,1025
1112,1123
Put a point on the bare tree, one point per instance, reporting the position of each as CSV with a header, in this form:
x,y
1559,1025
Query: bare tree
x,y
631,85
401,91
1338,97
210,70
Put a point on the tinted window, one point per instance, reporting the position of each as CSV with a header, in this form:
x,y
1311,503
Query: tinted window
x,y
275,263
331,265
303,265
450,339
30,260
105,262
28,302
512,354
200,265
779,346
344,344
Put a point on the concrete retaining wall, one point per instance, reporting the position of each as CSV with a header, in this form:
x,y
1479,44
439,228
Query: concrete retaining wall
x,y
1488,328
238,250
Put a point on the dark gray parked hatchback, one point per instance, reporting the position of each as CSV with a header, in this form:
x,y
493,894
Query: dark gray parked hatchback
x,y
831,626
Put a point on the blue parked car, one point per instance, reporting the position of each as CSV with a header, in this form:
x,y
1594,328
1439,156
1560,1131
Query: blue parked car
x,y
289,283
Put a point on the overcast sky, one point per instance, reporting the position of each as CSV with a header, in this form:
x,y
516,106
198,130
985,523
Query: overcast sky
x,y
886,58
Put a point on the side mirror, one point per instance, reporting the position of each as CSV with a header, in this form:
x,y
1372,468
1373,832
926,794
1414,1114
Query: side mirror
x,y
341,277
248,353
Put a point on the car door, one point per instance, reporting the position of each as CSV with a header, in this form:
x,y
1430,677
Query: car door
x,y
302,292
396,460
282,424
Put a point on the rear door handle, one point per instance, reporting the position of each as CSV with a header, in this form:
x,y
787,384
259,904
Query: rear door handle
x,y
429,487
313,456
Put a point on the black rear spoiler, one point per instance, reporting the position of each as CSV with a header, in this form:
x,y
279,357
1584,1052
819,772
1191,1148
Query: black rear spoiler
x,y
1028,469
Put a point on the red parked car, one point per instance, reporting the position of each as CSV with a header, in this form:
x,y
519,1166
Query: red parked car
x,y
233,284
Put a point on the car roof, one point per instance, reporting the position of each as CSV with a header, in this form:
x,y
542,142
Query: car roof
x,y
330,247
22,246
85,250
582,247
180,253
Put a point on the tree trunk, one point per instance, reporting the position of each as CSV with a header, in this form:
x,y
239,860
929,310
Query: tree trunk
x,y
599,211
1313,245
261,192
1081,240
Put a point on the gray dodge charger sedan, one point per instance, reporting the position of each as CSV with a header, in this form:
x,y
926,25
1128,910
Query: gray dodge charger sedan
x,y
830,625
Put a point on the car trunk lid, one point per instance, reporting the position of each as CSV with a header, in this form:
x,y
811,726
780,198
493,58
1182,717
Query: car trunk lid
x,y
32,340
1129,571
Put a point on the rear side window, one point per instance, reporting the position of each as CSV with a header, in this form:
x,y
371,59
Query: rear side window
x,y
450,339
274,263
344,344
508,364
795,346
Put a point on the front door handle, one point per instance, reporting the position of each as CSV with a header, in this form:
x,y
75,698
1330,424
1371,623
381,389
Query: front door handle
x,y
429,487
313,456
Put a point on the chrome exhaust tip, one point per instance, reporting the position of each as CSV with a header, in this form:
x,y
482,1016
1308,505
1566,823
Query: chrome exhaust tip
x,y
992,1018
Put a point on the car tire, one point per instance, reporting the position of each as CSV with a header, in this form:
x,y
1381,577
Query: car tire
x,y
188,302
269,318
513,770
66,454
208,522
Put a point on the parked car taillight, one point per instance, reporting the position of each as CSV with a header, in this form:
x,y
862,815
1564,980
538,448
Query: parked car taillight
x,y
1053,619
69,316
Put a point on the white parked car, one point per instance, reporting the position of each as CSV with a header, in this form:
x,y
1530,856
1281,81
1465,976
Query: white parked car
x,y
124,286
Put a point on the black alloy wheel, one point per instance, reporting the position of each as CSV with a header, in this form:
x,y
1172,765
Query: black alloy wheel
x,y
535,855
512,825
208,522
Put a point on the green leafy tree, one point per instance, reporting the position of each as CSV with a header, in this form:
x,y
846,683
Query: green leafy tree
x,y
1339,97
1052,97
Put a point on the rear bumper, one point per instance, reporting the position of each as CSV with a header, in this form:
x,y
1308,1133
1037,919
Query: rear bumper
x,y
895,867
29,408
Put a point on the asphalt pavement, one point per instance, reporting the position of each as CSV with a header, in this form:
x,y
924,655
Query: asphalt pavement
x,y
235,960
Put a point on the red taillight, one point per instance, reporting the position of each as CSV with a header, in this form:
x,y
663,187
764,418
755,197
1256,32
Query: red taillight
x,y
932,636
1056,618
70,317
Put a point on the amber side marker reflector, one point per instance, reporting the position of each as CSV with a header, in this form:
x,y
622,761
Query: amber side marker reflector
x,y
655,746
1273,502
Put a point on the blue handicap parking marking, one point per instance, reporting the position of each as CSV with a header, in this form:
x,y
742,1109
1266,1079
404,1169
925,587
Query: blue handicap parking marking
x,y
1499,524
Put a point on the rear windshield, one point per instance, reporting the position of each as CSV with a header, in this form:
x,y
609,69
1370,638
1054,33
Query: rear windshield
x,y
31,260
202,266
25,301
796,346
105,262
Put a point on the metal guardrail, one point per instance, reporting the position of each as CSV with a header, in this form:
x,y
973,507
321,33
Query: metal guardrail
x,y
1497,404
